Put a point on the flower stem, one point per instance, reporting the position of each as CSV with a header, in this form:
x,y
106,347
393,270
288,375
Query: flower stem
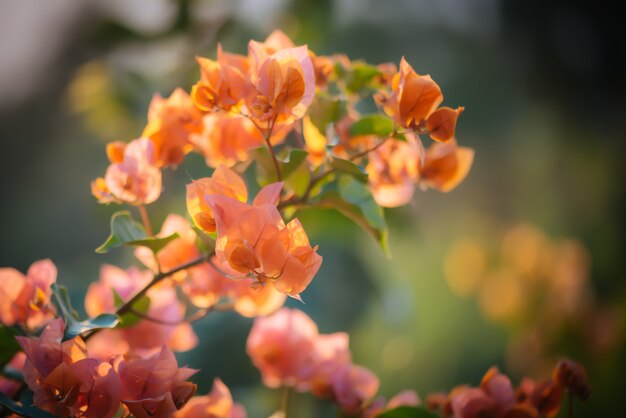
x,y
143,212
128,306
284,400
267,137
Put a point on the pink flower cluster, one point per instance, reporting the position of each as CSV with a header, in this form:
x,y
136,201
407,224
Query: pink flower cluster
x,y
289,351
66,381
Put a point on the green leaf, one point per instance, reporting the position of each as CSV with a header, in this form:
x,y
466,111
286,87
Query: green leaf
x,y
205,241
289,165
299,180
326,110
375,124
361,76
75,328
8,344
348,167
408,412
62,299
354,200
129,318
126,231
266,173
22,410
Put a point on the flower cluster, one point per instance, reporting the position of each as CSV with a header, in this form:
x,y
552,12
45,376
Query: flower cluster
x,y
291,116
495,397
25,299
66,381
289,351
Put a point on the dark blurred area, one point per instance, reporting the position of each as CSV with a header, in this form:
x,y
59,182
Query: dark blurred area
x,y
544,91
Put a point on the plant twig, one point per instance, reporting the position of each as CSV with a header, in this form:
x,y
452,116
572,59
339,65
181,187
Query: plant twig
x,y
143,212
196,316
367,151
126,307
284,400
267,137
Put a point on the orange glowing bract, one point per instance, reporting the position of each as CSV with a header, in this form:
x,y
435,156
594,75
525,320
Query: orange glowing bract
x,y
171,121
25,299
133,179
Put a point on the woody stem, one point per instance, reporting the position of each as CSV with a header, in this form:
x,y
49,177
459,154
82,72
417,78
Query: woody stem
x,y
367,151
143,212
128,306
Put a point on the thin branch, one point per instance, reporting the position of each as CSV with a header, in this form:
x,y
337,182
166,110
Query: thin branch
x,y
267,137
126,307
367,151
284,400
196,316
143,212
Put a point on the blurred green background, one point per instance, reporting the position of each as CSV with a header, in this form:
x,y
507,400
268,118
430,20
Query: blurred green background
x,y
543,87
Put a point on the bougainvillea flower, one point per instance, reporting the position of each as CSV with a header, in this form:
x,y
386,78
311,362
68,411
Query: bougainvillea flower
x,y
205,286
393,170
499,387
331,353
315,142
323,67
250,300
441,124
353,386
224,182
379,405
223,83
177,252
115,151
64,381
134,180
226,139
284,83
155,386
471,402
446,165
545,396
348,145
276,41
253,240
572,376
25,299
145,337
281,346
217,404
288,259
170,123
414,97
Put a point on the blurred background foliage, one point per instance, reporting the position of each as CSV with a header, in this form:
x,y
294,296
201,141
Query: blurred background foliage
x,y
521,264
